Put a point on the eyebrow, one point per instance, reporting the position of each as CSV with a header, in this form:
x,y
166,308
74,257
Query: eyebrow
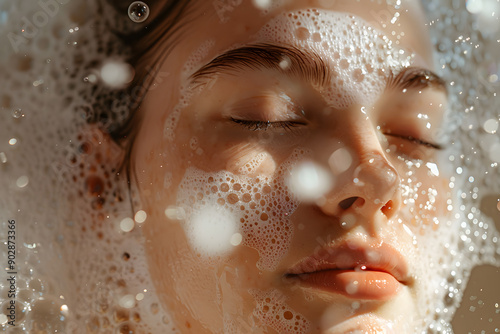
x,y
304,64
288,60
416,78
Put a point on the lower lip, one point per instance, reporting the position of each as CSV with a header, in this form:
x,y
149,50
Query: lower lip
x,y
369,285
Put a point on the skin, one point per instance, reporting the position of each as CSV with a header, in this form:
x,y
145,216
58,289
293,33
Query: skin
x,y
189,282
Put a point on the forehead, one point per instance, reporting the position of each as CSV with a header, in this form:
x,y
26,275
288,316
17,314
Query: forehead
x,y
230,23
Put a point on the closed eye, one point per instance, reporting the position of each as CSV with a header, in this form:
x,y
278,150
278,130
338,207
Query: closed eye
x,y
265,125
416,141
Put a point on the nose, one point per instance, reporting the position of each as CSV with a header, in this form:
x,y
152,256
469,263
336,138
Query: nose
x,y
369,189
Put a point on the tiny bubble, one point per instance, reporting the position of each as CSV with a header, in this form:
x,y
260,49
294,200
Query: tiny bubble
x,y
138,11
17,113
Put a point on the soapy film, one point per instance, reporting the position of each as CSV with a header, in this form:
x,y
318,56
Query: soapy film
x,y
80,270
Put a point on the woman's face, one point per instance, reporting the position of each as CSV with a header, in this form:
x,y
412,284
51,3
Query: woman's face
x,y
289,168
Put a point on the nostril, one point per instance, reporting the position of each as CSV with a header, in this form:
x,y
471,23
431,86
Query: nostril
x,y
347,203
387,208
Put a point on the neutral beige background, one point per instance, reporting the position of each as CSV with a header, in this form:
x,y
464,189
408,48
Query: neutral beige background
x,y
480,309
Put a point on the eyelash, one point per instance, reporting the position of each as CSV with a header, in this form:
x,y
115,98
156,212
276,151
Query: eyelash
x,y
288,125
265,125
416,141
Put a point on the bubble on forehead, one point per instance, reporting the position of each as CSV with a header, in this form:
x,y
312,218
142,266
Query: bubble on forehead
x,y
361,57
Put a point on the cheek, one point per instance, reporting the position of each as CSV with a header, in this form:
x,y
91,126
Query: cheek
x,y
426,198
226,212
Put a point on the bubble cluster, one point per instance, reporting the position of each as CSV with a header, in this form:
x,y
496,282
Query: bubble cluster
x,y
359,55
261,207
273,311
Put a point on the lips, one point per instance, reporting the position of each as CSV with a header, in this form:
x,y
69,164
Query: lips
x,y
354,269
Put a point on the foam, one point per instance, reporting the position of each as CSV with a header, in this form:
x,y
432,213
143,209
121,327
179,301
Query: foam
x,y
358,53
80,270
261,205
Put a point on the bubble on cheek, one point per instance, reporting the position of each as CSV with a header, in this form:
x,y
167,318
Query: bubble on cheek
x,y
261,206
210,230
273,311
251,166
309,181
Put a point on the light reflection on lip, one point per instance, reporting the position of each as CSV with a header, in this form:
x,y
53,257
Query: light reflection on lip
x,y
354,269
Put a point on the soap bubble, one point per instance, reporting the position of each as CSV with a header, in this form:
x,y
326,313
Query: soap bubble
x,y
491,126
309,181
127,224
211,230
116,74
138,11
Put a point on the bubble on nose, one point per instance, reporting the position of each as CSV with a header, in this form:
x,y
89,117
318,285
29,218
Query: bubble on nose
x,y
340,161
210,230
309,181
347,221
433,168
116,73
352,287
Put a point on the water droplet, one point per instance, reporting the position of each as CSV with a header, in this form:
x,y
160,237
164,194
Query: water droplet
x,y
352,287
262,4
138,11
3,157
22,181
17,113
127,224
309,181
495,152
491,126
236,239
12,141
127,301
140,216
175,213
116,73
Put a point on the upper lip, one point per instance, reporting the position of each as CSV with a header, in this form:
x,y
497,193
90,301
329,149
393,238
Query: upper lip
x,y
352,255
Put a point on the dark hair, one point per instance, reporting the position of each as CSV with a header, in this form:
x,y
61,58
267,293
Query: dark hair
x,y
145,46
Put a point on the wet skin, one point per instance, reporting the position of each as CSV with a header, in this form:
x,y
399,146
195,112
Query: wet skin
x,y
386,202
